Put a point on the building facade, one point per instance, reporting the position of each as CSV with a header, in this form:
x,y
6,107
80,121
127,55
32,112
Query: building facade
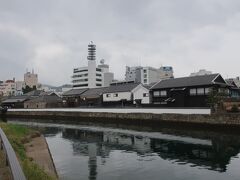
x,y
31,79
93,75
8,88
19,87
148,75
187,91
119,94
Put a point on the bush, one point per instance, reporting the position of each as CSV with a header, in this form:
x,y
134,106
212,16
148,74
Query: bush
x,y
234,108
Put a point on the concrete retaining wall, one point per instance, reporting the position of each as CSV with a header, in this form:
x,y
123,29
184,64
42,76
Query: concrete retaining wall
x,y
215,119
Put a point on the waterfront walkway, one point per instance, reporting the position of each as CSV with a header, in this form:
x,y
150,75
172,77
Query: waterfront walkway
x,y
38,150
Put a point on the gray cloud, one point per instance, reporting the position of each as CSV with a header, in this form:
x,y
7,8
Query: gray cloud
x,y
51,36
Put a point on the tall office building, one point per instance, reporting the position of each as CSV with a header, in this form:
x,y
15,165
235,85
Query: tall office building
x,y
93,75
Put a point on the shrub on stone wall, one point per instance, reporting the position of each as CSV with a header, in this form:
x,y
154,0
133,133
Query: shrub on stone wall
x,y
234,108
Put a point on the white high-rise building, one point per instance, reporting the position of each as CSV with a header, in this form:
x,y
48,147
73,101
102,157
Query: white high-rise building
x,y
92,76
148,75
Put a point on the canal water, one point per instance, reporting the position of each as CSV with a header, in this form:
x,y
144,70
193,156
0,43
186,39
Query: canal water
x,y
129,152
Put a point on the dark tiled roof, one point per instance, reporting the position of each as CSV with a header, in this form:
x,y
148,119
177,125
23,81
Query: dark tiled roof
x,y
231,82
148,86
186,81
121,88
94,93
74,92
47,99
15,99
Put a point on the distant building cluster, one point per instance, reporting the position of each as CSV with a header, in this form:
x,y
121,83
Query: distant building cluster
x,y
94,86
15,88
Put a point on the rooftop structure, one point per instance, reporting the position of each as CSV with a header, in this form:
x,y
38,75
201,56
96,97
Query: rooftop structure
x,y
201,72
93,75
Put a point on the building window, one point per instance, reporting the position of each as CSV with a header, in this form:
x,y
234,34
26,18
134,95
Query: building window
x,y
207,90
79,80
156,93
98,75
108,95
76,70
144,71
163,93
98,79
115,95
160,93
193,92
145,75
145,95
200,91
80,85
98,84
145,80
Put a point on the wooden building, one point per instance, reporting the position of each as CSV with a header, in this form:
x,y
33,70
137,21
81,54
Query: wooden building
x,y
72,97
187,91
51,100
92,97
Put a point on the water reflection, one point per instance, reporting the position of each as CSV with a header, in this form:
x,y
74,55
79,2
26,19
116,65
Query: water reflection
x,y
89,143
103,148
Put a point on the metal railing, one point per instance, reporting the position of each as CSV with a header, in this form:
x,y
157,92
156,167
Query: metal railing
x,y
11,158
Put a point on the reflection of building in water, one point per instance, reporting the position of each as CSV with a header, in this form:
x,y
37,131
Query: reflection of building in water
x,y
90,143
92,162
129,142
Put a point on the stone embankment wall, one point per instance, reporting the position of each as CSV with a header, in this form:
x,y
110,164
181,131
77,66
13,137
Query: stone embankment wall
x,y
214,119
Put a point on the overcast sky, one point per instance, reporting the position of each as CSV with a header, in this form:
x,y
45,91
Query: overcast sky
x,y
51,36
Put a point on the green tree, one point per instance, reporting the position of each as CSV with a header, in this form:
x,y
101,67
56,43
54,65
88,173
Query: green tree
x,y
215,98
28,89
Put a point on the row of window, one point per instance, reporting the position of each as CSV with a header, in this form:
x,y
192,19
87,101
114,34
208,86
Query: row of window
x,y
80,80
80,75
76,70
193,92
81,85
116,95
199,91
159,93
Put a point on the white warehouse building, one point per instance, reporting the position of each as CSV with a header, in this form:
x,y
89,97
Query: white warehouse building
x,y
92,76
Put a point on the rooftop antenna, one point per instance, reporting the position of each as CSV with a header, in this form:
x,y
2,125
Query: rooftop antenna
x,y
102,61
91,51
